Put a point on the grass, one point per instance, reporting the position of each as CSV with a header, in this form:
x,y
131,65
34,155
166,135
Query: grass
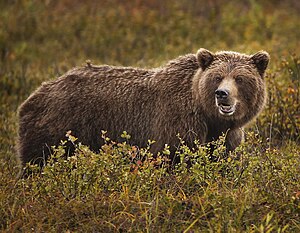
x,y
121,188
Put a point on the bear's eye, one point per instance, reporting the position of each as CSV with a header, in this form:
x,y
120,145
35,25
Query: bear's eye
x,y
218,78
239,79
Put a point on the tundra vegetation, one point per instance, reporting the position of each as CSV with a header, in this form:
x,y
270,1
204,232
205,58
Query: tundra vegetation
x,y
122,188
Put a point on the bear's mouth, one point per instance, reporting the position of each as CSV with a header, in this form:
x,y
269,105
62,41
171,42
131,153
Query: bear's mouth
x,y
226,109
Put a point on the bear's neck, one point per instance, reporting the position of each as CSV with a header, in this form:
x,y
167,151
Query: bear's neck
x,y
217,127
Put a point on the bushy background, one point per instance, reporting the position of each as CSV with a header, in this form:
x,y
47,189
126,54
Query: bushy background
x,y
122,188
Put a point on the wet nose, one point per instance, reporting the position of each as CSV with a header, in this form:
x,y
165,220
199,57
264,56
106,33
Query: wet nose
x,y
221,93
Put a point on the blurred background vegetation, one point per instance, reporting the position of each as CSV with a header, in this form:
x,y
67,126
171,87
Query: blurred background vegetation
x,y
42,39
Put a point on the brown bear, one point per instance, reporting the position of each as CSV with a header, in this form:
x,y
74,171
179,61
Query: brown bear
x,y
198,96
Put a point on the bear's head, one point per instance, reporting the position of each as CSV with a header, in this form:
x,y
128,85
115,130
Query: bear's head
x,y
231,85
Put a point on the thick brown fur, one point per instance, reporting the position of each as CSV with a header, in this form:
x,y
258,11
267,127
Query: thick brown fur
x,y
158,104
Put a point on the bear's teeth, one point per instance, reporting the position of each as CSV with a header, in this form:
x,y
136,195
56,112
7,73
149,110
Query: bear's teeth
x,y
226,108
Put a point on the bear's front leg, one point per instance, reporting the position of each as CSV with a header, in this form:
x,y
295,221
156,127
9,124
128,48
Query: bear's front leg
x,y
234,137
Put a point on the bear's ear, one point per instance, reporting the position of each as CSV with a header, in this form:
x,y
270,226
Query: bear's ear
x,y
261,61
205,58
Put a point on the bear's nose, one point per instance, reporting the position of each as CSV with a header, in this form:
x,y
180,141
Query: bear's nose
x,y
221,93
